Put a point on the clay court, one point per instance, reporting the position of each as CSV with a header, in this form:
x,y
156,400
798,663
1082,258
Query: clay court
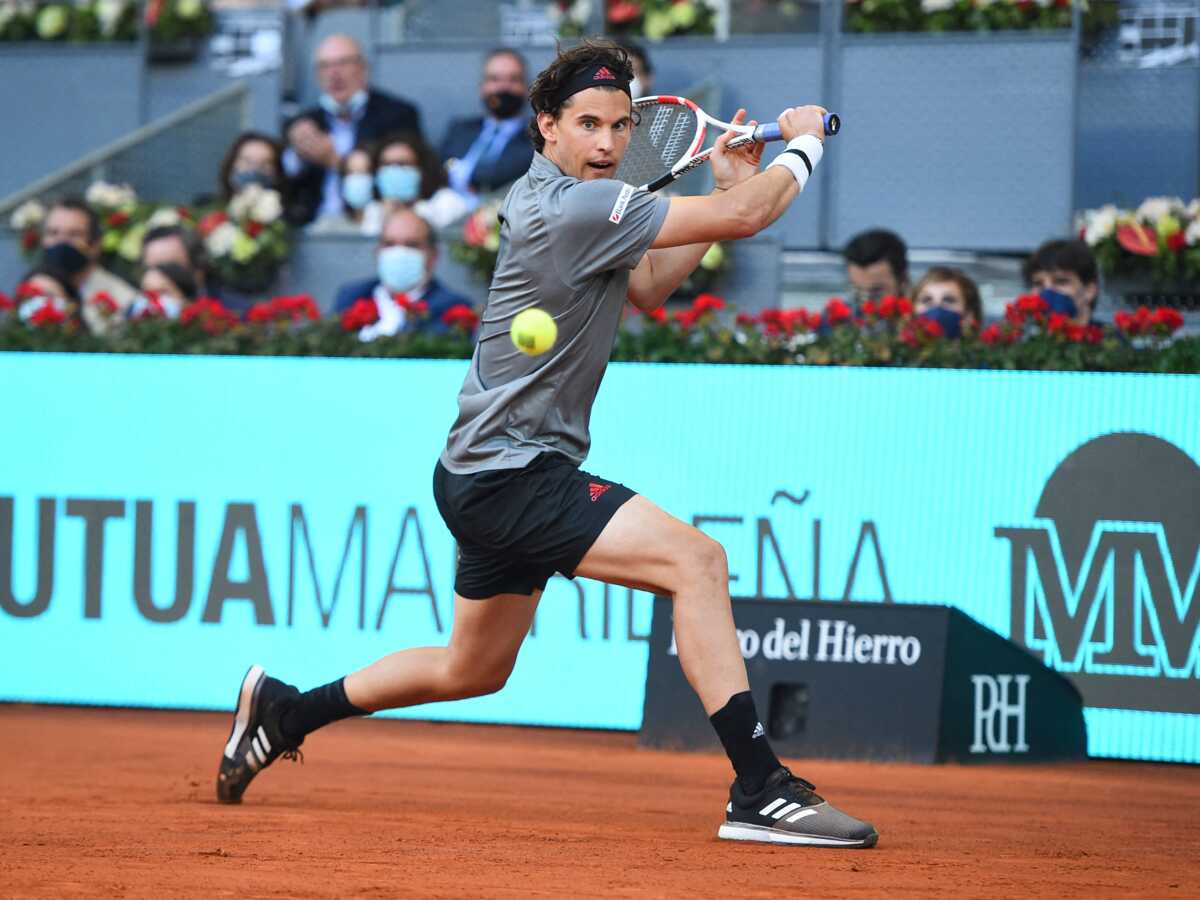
x,y
119,803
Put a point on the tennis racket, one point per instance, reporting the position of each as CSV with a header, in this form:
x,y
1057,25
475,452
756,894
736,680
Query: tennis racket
x,y
668,139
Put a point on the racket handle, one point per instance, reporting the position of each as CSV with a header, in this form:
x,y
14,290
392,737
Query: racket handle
x,y
770,131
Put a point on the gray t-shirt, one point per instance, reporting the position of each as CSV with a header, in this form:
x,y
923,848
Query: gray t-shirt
x,y
566,246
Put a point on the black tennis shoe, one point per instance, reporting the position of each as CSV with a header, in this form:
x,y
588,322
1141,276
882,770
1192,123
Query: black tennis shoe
x,y
256,739
787,811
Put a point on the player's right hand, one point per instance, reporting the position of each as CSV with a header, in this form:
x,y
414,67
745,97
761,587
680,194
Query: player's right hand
x,y
800,120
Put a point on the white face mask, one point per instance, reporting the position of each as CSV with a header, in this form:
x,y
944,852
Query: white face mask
x,y
351,107
401,269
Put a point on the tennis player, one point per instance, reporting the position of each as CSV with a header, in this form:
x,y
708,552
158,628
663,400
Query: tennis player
x,y
578,244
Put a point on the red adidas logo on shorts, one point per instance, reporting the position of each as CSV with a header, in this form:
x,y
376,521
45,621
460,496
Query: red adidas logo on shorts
x,y
602,74
595,490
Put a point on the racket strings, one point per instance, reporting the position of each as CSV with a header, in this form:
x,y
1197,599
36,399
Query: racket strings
x,y
661,138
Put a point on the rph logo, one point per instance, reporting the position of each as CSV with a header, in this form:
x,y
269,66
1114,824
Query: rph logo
x,y
1000,713
1104,585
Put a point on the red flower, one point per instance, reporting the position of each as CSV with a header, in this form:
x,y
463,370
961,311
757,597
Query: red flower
x,y
252,228
1177,241
47,315
920,331
1025,307
473,231
707,303
868,308
836,311
184,213
1166,319
27,290
893,307
1058,323
1094,334
104,302
460,315
1140,240
622,11
209,314
418,307
991,335
361,313
658,314
686,318
117,219
29,239
745,319
211,222
6,302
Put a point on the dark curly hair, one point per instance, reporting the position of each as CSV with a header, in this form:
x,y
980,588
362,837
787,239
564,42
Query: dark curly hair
x,y
566,65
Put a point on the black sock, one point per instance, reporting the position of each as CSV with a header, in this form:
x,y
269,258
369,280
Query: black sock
x,y
745,742
317,708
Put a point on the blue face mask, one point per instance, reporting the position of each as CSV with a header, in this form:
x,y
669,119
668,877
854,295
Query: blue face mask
x,y
1059,302
248,177
401,268
401,183
350,108
948,319
357,189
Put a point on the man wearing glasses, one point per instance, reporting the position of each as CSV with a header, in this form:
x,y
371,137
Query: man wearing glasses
x,y
876,265
350,113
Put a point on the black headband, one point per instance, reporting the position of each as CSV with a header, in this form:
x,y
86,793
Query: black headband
x,y
597,75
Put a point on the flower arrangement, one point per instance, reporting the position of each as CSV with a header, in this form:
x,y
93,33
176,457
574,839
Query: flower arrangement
x,y
569,16
658,19
170,21
1160,239
247,241
866,16
886,333
78,22
480,244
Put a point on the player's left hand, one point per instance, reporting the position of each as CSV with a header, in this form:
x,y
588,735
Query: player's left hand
x,y
733,166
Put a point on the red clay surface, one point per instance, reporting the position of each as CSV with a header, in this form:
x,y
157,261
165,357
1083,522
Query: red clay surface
x,y
119,803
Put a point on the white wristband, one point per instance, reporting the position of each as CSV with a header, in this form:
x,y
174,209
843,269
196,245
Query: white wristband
x,y
801,157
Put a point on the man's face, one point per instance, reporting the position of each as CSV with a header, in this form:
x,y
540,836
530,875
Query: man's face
x,y
68,226
165,250
502,74
341,69
1066,282
589,138
409,230
873,281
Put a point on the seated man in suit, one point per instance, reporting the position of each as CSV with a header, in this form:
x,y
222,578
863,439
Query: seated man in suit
x,y
485,153
350,113
405,259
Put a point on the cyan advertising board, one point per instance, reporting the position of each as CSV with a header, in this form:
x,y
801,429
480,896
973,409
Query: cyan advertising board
x,y
166,521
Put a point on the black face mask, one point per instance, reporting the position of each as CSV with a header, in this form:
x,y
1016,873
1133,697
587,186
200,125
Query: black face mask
x,y
66,257
504,105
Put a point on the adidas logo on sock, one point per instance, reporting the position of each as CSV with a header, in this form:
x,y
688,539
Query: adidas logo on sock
x,y
758,731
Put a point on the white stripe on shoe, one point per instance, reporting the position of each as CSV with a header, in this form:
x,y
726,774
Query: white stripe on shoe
x,y
791,807
770,807
241,717
258,750
262,736
802,814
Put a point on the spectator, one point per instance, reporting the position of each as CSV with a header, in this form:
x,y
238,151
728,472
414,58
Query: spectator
x,y
167,289
409,174
256,158
486,153
71,243
1066,275
350,114
182,247
47,285
406,256
950,298
877,265
643,72
361,211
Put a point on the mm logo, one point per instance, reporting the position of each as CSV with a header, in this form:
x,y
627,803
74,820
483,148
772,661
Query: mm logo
x,y
1104,583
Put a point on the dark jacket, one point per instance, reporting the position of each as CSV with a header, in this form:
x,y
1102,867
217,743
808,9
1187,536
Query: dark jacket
x,y
510,164
439,299
383,115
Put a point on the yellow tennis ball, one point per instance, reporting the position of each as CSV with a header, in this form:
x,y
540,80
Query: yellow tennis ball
x,y
534,331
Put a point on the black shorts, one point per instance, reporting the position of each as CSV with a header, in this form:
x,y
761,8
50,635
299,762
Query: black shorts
x,y
515,528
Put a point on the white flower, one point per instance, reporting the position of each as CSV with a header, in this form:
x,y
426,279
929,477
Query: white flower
x,y
932,6
163,218
267,208
244,202
1100,224
220,241
1155,208
1192,235
110,196
28,215
580,10
108,14
1193,209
